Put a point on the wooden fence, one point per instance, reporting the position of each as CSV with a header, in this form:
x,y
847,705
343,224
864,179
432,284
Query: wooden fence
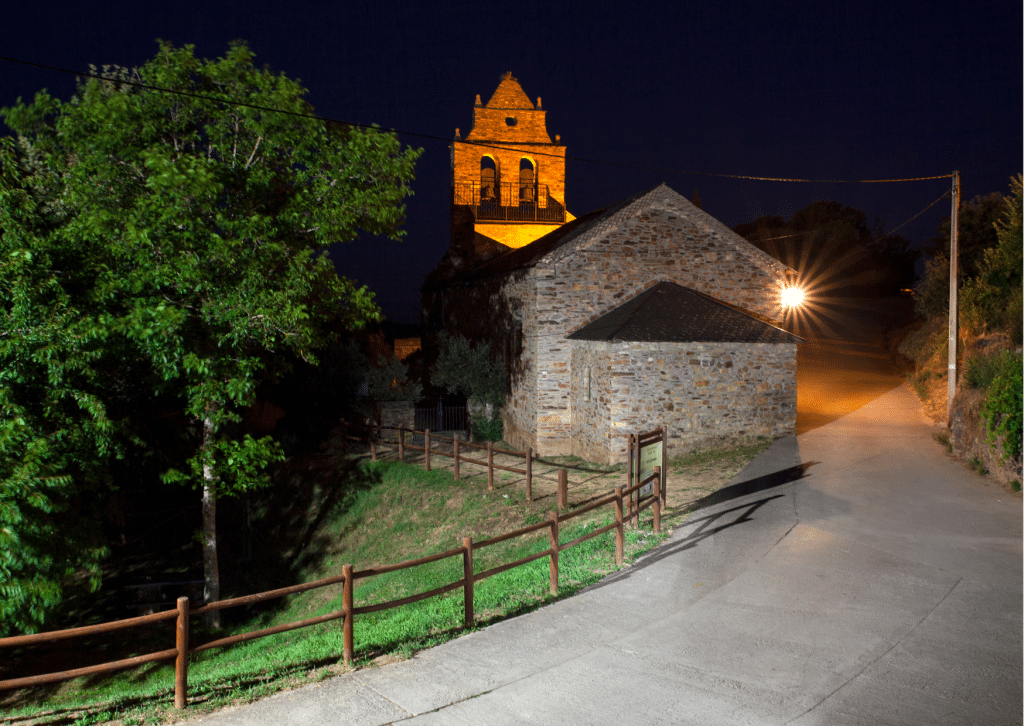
x,y
181,651
456,454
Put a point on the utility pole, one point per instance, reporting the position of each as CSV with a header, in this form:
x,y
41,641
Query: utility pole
x,y
953,322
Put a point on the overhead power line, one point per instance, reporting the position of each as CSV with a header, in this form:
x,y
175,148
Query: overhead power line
x,y
942,196
475,143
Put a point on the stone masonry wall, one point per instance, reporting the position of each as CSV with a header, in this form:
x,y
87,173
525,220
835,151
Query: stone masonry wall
x,y
614,264
519,415
703,392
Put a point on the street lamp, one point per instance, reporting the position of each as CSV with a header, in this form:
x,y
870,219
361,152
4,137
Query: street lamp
x,y
793,297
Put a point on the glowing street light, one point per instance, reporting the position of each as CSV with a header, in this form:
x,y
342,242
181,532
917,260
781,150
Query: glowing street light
x,y
792,297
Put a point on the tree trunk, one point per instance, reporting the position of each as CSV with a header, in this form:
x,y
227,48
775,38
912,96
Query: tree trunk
x,y
211,571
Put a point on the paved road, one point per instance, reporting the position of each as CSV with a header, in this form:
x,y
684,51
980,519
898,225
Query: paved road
x,y
852,574
843,366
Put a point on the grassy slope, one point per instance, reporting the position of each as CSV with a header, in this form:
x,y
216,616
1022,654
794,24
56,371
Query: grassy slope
x,y
384,513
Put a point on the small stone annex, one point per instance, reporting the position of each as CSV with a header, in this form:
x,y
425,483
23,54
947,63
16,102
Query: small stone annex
x,y
645,313
673,357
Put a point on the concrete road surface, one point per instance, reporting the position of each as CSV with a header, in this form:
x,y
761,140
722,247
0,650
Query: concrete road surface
x,y
852,574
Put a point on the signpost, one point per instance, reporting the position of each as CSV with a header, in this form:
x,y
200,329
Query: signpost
x,y
650,457
647,451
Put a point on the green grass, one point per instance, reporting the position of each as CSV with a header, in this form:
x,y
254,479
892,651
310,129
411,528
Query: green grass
x,y
392,513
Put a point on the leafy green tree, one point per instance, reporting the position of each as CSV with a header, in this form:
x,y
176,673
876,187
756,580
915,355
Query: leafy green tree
x,y
56,432
992,298
389,381
199,229
1002,408
976,232
470,369
833,248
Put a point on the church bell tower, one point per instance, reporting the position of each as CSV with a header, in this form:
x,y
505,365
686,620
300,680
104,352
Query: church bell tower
x,y
507,172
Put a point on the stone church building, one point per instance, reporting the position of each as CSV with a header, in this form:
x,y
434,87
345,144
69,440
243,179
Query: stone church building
x,y
645,313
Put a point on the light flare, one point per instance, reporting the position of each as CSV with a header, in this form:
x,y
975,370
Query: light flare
x,y
793,297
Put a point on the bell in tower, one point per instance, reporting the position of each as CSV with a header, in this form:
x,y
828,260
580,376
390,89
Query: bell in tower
x,y
507,172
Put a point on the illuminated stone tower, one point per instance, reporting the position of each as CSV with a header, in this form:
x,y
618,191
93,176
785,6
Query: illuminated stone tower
x,y
507,171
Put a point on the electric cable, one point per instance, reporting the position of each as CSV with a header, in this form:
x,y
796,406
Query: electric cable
x,y
431,137
932,204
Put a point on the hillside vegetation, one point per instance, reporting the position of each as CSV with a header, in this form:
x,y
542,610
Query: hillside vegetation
x,y
985,418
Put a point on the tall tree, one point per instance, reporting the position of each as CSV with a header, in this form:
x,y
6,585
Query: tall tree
x,y
204,226
56,433
977,220
825,242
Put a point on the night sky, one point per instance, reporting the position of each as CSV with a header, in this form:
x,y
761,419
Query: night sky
x,y
813,90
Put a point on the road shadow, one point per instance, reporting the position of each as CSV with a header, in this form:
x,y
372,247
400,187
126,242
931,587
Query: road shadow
x,y
751,486
716,522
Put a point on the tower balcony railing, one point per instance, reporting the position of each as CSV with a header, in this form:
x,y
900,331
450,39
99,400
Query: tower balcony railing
x,y
510,202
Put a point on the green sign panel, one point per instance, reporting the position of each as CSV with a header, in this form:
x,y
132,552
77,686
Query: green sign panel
x,y
650,457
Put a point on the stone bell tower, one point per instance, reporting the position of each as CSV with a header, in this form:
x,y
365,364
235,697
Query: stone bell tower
x,y
507,172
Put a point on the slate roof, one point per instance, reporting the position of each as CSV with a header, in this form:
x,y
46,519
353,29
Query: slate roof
x,y
671,313
563,240
530,254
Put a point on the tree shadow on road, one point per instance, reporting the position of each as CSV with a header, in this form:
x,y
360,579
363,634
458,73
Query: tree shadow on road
x,y
718,521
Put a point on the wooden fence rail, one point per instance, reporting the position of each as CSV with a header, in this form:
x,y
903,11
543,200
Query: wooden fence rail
x,y
181,652
456,455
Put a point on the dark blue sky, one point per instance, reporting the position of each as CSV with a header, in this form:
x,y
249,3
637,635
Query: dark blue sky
x,y
849,91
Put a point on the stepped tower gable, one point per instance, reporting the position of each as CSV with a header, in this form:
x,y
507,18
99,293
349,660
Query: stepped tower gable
x,y
508,171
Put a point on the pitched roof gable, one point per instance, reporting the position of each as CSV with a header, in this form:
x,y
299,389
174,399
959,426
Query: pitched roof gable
x,y
671,313
583,230
664,197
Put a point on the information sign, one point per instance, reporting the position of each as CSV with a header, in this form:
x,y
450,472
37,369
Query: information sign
x,y
650,457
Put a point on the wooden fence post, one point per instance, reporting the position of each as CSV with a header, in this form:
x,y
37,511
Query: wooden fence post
x,y
181,660
563,488
529,474
631,480
346,606
401,444
467,574
664,465
620,535
554,554
490,465
373,443
426,447
657,500
456,457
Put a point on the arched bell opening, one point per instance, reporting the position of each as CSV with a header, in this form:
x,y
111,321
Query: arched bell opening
x,y
488,180
527,181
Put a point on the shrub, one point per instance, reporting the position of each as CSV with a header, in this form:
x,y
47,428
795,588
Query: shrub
x,y
1003,408
470,369
998,281
931,294
485,429
982,370
389,381
1015,316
